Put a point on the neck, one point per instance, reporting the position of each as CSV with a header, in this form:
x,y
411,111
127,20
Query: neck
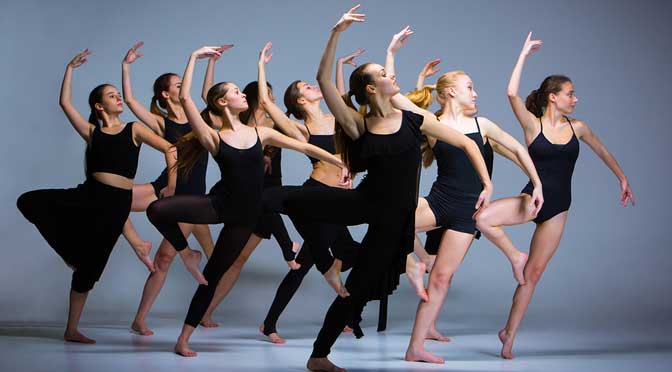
x,y
111,120
258,117
381,107
552,116
176,112
452,111
313,112
231,121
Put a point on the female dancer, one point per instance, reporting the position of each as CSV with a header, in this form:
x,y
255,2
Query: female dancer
x,y
303,101
99,207
171,125
386,143
450,203
552,139
236,199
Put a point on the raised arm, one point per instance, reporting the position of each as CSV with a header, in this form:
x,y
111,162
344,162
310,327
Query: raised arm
x,y
287,125
398,40
526,119
427,71
207,136
154,122
432,127
586,135
349,60
81,125
209,79
350,120
494,132
144,135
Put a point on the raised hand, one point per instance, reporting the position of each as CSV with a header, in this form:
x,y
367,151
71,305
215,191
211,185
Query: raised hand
x,y
399,39
132,53
265,55
626,194
207,52
430,68
350,58
348,18
79,59
530,45
224,47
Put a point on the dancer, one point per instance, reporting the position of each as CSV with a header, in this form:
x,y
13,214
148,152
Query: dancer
x,y
450,203
386,142
98,208
171,125
553,143
236,199
303,101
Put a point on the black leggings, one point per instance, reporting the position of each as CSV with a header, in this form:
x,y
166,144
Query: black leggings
x,y
270,223
166,213
382,257
81,224
341,242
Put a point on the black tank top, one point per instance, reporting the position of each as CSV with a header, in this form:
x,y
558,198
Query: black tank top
x,y
242,177
456,174
555,162
113,153
172,133
323,141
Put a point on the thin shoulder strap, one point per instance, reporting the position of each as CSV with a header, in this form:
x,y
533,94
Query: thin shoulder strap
x,y
570,125
366,127
478,126
308,129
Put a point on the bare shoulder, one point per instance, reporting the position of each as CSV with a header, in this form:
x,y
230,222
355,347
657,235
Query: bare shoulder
x,y
579,126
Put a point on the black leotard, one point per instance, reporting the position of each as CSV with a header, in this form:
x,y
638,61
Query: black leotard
x,y
555,166
194,184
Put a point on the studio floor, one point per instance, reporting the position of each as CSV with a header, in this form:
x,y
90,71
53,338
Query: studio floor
x,y
240,347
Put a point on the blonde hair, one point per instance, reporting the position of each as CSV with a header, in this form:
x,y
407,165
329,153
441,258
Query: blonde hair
x,y
423,98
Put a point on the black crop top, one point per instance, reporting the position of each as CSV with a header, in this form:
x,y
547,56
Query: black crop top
x,y
323,141
113,153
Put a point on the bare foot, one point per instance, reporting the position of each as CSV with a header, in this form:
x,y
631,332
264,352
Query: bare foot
x,y
333,278
519,267
295,247
273,337
191,259
347,329
76,336
208,323
416,276
141,328
293,265
142,250
422,356
507,344
434,334
323,365
183,349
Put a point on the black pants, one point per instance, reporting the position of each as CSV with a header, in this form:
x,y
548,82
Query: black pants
x,y
342,242
271,223
166,213
81,224
382,259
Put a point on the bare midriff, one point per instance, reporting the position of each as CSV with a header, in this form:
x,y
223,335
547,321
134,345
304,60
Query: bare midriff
x,y
114,180
326,173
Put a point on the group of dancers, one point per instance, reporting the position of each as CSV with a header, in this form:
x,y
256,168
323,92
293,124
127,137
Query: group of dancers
x,y
388,135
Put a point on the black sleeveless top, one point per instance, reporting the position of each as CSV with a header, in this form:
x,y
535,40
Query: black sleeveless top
x,y
456,174
323,141
241,184
195,182
113,153
393,164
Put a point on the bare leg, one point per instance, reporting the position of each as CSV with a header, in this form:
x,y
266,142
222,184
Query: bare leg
x,y
204,238
229,280
143,195
182,346
453,248
506,212
415,271
544,243
72,334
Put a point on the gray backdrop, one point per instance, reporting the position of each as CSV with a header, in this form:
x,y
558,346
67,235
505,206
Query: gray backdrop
x,y
613,265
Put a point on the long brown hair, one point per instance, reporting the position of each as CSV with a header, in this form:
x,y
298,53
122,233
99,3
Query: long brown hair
x,y
189,148
96,96
161,84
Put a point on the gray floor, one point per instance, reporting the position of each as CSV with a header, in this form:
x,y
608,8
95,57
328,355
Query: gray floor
x,y
236,348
